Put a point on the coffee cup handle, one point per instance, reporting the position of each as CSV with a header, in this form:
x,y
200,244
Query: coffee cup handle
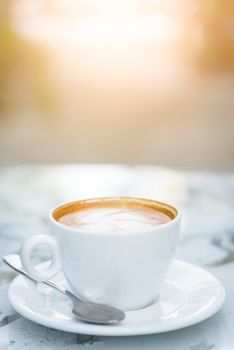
x,y
26,254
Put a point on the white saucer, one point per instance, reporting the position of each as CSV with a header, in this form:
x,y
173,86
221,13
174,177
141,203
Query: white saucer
x,y
189,295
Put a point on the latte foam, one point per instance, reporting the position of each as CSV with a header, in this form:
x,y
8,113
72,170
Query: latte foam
x,y
114,219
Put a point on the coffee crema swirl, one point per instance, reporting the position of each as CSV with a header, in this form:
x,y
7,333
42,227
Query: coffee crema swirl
x,y
114,219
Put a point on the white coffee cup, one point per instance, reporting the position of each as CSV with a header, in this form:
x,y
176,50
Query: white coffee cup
x,y
125,270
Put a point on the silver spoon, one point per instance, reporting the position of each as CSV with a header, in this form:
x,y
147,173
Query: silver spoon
x,y
85,311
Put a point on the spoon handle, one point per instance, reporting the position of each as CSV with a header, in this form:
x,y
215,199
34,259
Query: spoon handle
x,y
13,261
88,312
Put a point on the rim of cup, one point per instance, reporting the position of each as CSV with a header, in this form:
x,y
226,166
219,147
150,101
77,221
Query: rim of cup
x,y
140,200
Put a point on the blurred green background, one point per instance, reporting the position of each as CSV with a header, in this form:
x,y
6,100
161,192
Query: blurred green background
x,y
117,82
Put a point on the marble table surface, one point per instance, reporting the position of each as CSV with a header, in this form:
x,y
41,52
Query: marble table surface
x,y
206,199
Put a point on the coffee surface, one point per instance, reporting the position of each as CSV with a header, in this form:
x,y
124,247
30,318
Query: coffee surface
x,y
114,219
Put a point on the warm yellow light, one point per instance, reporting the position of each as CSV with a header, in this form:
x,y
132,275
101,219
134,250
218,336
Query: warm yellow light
x,y
99,20
115,3
127,27
105,44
